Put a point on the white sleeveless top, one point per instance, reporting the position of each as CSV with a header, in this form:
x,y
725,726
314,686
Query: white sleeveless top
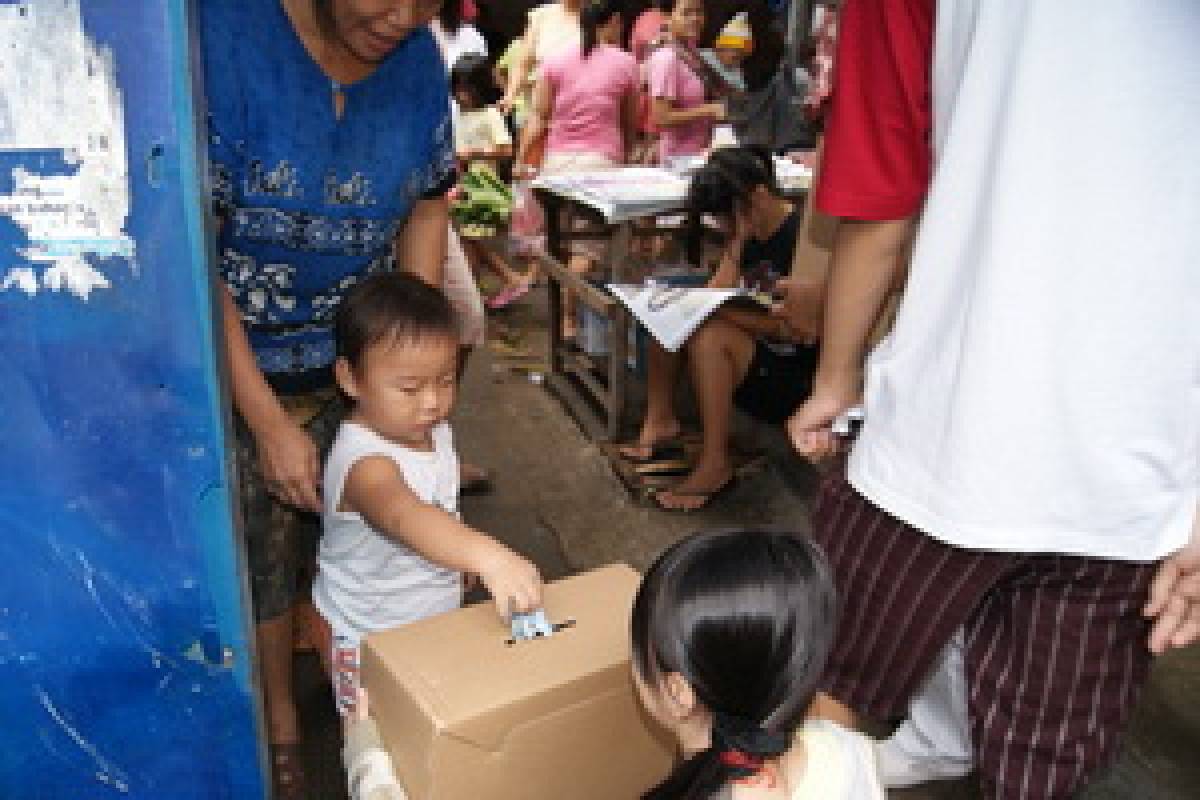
x,y
366,581
839,764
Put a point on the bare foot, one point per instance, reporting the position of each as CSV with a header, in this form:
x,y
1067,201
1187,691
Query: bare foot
x,y
696,490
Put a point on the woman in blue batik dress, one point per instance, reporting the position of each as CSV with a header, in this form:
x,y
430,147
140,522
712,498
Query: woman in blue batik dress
x,y
330,154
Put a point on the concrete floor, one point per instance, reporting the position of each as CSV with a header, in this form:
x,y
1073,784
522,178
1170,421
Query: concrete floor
x,y
557,501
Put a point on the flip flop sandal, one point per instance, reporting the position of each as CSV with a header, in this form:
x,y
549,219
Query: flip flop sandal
x,y
706,497
669,450
287,772
677,466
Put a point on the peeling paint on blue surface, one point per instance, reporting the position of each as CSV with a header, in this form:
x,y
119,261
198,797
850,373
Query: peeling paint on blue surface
x,y
124,657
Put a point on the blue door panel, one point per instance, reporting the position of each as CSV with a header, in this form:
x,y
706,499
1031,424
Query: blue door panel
x,y
125,668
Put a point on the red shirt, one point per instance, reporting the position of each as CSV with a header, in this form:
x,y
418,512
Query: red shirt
x,y
877,159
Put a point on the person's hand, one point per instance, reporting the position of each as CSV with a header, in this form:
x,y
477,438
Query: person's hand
x,y
506,103
1174,602
743,226
718,112
801,307
810,428
524,171
290,465
513,582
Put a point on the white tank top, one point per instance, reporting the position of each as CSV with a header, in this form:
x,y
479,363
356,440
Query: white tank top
x,y
367,581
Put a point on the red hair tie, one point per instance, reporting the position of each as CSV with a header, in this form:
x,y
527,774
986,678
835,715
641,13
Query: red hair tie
x,y
739,760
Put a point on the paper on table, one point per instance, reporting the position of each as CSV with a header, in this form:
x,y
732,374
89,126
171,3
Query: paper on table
x,y
671,314
622,193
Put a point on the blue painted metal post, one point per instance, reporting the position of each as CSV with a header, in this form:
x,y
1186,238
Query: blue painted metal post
x,y
125,668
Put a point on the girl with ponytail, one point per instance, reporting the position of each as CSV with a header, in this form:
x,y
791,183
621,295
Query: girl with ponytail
x,y
730,632
584,116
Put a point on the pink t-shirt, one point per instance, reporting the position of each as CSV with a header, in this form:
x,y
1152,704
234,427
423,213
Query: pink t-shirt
x,y
588,93
670,78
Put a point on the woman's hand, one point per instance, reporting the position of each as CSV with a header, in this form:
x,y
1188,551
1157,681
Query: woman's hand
x,y
717,111
290,465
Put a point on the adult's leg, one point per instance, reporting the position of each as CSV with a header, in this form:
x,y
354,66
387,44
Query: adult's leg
x,y
580,265
1056,657
488,258
718,354
903,594
934,742
274,638
660,423
273,560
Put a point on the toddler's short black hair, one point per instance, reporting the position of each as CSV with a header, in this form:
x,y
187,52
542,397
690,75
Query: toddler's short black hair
x,y
473,72
391,305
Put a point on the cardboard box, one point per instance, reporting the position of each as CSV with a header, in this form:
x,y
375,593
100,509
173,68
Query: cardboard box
x,y
468,715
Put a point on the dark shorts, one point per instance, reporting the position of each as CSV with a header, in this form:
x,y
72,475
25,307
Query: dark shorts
x,y
281,541
775,384
1055,645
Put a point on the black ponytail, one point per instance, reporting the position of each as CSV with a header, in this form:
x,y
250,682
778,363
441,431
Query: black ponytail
x,y
593,15
747,619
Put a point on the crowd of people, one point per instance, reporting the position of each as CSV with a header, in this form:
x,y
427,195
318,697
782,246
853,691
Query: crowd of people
x,y
1016,531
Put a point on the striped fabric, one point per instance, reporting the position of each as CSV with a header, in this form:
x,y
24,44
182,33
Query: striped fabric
x,y
1055,645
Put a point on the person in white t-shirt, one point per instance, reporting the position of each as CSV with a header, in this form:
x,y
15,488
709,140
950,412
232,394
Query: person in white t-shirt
x,y
393,548
729,632
1018,530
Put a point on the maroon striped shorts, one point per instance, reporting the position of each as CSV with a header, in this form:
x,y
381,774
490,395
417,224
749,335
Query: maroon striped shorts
x,y
1055,645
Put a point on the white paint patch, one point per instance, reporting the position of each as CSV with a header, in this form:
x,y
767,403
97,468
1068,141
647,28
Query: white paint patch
x,y
23,278
58,92
106,771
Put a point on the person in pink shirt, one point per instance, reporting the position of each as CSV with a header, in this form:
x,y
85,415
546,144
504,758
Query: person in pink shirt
x,y
680,105
585,113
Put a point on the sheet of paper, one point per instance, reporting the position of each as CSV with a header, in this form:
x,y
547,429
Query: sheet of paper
x,y
671,315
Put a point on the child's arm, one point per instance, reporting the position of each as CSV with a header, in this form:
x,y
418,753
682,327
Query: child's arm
x,y
376,489
501,152
867,264
537,125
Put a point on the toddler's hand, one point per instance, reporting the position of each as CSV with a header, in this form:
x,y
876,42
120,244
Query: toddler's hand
x,y
514,582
